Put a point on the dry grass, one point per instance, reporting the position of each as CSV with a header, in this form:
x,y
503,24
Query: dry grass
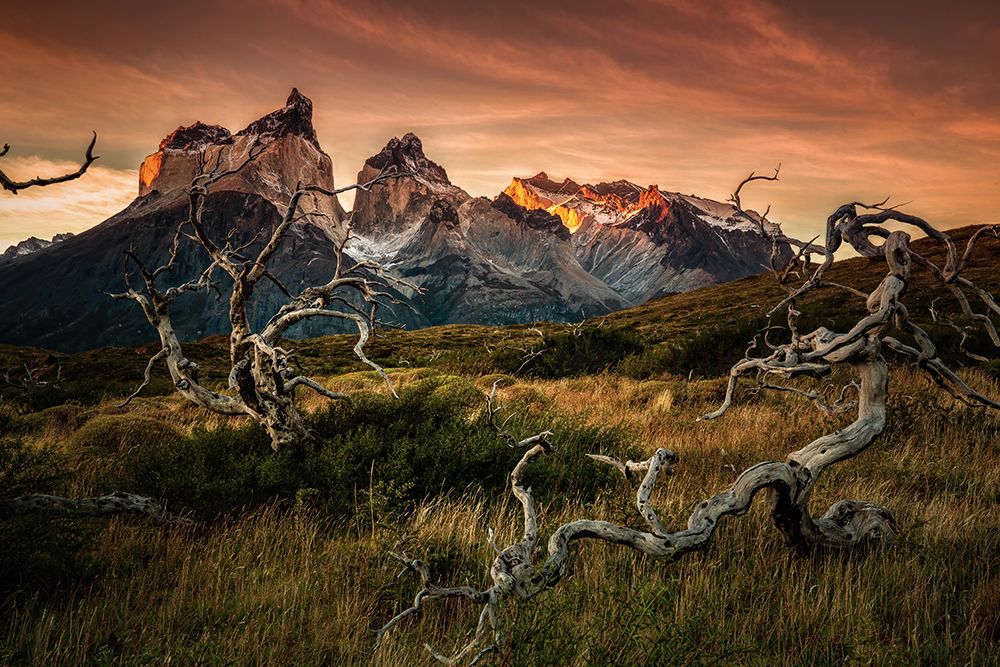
x,y
280,586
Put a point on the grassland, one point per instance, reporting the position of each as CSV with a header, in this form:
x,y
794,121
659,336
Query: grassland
x,y
286,561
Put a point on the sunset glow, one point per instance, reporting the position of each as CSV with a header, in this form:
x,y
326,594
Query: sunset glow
x,y
688,95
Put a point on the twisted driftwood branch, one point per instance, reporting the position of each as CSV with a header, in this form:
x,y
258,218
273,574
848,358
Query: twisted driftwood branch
x,y
261,379
14,187
789,484
114,503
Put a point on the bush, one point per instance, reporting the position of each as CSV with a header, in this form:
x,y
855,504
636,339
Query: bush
x,y
433,439
36,552
210,471
709,353
582,351
118,434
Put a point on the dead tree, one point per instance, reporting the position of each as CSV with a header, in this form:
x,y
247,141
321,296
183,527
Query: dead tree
x,y
29,382
787,485
14,187
29,379
262,380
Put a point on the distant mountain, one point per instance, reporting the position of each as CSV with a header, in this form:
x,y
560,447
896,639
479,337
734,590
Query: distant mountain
x,y
476,260
645,243
540,250
30,245
57,297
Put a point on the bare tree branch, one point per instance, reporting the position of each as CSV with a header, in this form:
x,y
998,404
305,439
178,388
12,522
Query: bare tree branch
x,y
14,187
115,503
260,376
147,376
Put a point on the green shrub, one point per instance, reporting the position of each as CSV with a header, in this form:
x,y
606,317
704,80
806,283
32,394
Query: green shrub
x,y
434,438
36,552
572,352
709,353
121,433
64,418
209,472
26,469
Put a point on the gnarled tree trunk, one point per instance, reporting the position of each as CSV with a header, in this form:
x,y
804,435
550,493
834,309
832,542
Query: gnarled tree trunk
x,y
789,484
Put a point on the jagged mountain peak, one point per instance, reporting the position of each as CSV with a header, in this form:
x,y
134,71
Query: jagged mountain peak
x,y
293,118
536,218
400,205
287,153
31,245
543,181
196,137
652,196
407,154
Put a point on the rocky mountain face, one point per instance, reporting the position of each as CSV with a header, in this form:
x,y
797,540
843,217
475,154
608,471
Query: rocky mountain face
x,y
475,260
289,153
58,298
30,245
643,242
540,250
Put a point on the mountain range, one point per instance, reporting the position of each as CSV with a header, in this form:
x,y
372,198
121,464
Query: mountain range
x,y
539,250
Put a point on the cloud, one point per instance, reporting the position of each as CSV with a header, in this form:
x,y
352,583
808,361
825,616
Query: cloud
x,y
688,94
67,207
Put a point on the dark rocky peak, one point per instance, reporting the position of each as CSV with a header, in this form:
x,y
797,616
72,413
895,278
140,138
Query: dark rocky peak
x,y
542,181
627,190
407,154
662,218
195,137
534,218
31,245
443,212
293,118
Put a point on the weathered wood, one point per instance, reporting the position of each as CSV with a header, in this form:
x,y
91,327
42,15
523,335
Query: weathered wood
x,y
262,382
787,485
14,187
114,503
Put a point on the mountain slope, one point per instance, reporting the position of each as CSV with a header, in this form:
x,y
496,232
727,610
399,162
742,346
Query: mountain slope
x,y
57,297
645,243
541,250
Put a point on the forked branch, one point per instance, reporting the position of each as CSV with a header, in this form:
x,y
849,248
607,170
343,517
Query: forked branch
x,y
261,381
788,484
14,187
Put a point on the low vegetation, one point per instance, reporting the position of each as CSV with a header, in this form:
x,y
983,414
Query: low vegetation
x,y
287,561
283,558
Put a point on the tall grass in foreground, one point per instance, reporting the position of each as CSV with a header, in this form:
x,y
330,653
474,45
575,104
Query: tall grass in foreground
x,y
300,583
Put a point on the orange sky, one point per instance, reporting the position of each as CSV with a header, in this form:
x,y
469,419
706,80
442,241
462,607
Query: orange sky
x,y
857,100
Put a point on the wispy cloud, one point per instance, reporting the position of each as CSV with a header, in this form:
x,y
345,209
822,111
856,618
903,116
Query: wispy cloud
x,y
69,207
689,94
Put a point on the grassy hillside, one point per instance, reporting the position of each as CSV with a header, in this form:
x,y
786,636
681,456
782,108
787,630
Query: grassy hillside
x,y
286,559
700,333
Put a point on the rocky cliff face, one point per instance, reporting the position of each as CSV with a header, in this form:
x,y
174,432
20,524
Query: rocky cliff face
x,y
289,153
30,245
644,242
543,249
386,212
